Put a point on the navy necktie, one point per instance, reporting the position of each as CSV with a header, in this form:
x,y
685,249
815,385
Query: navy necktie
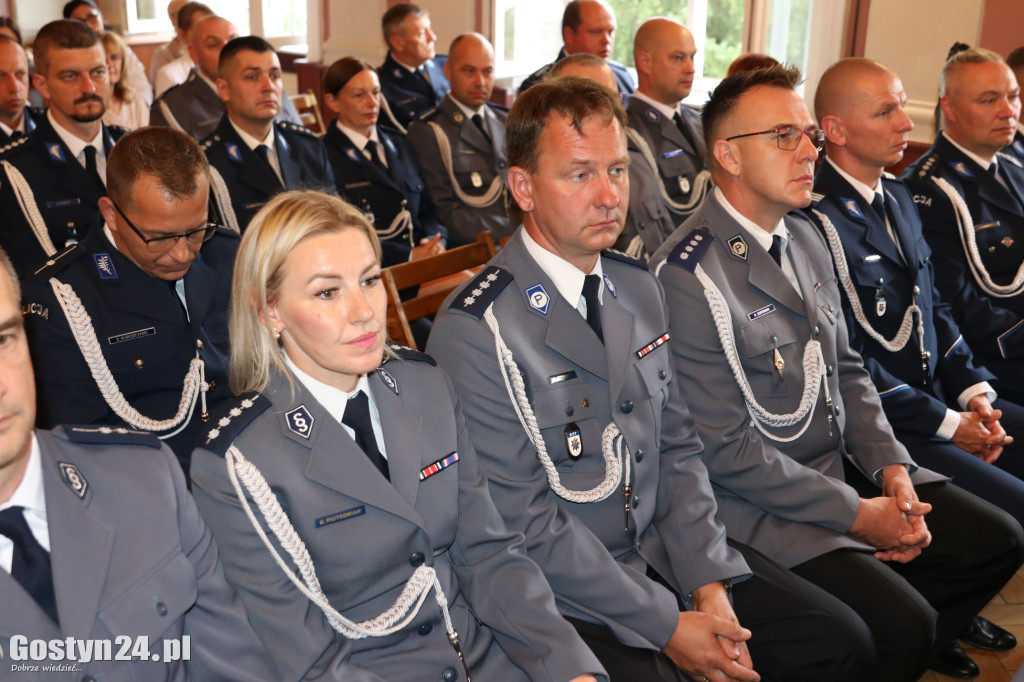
x,y
478,121
775,250
31,564
92,169
685,130
371,149
357,418
591,287
263,151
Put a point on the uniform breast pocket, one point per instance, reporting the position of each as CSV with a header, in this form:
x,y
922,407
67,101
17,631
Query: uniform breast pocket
x,y
766,345
675,163
138,349
567,416
1000,250
155,602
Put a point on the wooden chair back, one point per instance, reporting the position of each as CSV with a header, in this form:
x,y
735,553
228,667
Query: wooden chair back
x,y
436,277
305,103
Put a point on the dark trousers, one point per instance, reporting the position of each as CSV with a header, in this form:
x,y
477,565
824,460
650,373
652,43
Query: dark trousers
x,y
798,634
1002,484
915,610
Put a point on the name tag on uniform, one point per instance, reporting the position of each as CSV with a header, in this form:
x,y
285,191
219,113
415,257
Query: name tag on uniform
x,y
340,516
63,203
131,336
761,312
439,466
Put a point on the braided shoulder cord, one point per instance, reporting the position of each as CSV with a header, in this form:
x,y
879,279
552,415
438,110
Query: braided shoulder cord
x,y
636,248
223,199
493,192
897,343
406,607
616,458
195,385
813,366
401,223
169,117
27,202
701,183
970,244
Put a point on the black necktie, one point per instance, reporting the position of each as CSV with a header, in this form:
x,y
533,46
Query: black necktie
x,y
775,251
371,149
591,287
91,169
172,285
263,151
31,564
478,121
685,130
879,206
357,418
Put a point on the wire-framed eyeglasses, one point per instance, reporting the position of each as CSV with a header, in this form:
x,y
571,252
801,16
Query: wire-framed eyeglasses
x,y
788,137
194,238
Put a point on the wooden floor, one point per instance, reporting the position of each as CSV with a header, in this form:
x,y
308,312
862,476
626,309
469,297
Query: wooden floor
x,y
1006,610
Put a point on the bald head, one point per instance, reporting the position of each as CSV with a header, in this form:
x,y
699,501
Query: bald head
x,y
588,26
470,69
587,66
843,83
209,36
664,50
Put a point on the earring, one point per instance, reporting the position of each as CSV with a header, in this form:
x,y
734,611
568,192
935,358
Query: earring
x,y
277,334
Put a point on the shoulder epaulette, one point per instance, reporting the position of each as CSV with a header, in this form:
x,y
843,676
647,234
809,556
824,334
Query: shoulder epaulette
x,y
110,435
691,249
927,165
481,291
816,198
58,261
295,128
411,354
499,107
1010,159
888,176
624,258
15,144
428,114
388,129
230,419
206,143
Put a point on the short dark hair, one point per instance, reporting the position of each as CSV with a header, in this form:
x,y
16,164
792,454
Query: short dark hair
x,y
576,98
63,34
72,5
7,22
748,61
233,47
395,15
341,72
723,99
187,13
170,156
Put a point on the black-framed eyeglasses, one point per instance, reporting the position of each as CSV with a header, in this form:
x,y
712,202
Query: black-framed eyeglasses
x,y
788,137
196,237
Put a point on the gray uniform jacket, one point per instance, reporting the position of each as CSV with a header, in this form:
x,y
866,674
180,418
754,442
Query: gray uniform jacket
x,y
596,568
130,556
366,537
786,500
476,161
196,108
678,160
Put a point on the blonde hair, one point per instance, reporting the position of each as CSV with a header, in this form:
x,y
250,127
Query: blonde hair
x,y
123,89
284,222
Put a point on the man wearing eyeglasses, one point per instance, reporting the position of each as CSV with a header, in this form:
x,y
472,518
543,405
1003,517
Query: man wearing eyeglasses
x,y
52,179
805,467
129,327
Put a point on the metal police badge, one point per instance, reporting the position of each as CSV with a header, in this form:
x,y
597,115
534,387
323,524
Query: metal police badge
x,y
684,184
573,441
300,421
388,380
538,298
738,247
611,286
74,479
55,152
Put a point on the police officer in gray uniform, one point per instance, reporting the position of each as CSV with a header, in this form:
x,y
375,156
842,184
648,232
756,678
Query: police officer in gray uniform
x,y
969,189
460,147
668,134
99,538
377,487
194,106
588,448
52,180
782,402
130,325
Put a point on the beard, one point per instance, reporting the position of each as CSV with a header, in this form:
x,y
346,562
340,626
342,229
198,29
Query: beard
x,y
89,117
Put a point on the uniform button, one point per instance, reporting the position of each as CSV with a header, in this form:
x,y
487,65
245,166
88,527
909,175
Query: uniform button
x,y
662,374
569,410
636,546
139,364
828,370
586,403
641,225
881,281
917,290
416,559
213,385
161,608
449,674
636,501
817,330
426,629
639,456
627,406
775,340
199,344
